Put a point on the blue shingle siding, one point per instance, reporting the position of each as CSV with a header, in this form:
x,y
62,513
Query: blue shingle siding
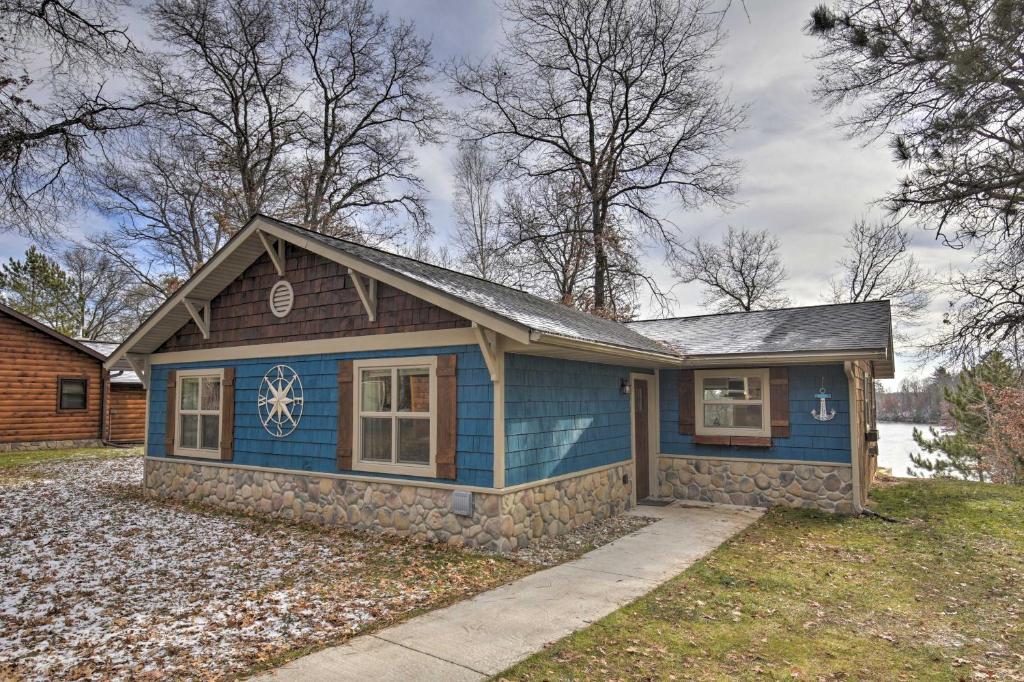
x,y
562,416
809,439
312,446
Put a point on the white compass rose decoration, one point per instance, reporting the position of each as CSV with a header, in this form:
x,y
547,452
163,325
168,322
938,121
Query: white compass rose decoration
x,y
280,401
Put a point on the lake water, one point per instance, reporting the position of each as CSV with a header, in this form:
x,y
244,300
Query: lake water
x,y
895,443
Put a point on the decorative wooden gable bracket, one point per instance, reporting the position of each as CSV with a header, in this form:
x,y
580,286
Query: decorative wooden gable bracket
x,y
275,251
200,312
140,363
490,348
367,293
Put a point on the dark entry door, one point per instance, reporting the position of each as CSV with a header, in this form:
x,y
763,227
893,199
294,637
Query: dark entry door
x,y
641,446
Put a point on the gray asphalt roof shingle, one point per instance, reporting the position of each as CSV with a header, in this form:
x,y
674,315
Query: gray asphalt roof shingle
x,y
519,306
838,327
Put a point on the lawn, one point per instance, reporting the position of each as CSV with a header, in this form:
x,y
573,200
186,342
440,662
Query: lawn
x,y
97,582
26,458
802,595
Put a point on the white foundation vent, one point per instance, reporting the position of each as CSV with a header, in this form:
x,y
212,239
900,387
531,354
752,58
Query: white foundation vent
x,y
462,503
282,296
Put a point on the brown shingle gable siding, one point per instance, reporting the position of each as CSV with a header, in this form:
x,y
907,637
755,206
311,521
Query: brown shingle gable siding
x,y
326,306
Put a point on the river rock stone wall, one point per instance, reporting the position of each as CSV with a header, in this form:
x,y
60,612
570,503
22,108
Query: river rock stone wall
x,y
499,522
757,484
555,508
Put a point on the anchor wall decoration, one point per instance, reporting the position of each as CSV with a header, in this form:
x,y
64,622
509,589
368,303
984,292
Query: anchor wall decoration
x,y
823,414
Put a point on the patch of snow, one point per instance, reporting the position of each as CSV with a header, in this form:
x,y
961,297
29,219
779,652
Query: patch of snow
x,y
98,583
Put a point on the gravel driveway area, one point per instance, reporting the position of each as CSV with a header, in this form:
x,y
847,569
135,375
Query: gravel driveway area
x,y
97,582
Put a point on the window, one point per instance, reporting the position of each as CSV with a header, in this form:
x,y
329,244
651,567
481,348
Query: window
x,y
74,394
732,402
198,427
395,424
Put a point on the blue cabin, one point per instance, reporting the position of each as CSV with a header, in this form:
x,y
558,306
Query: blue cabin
x,y
316,379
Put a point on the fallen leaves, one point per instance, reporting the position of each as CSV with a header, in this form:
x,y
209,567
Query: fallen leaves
x,y
97,582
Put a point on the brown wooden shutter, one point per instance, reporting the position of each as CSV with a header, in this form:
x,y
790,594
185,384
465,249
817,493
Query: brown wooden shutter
x,y
227,414
779,398
447,406
171,416
687,403
345,414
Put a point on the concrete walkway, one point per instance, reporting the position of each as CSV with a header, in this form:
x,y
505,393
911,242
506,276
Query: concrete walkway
x,y
482,636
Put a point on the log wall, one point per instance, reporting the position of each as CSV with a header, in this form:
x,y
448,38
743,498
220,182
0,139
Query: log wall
x,y
31,364
126,413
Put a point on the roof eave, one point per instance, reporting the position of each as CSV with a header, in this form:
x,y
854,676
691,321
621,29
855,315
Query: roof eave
x,y
784,357
666,358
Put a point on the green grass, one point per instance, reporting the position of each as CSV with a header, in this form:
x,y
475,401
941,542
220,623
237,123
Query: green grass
x,y
16,460
803,595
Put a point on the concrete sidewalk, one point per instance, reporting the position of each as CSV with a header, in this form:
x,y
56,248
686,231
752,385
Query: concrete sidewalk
x,y
482,636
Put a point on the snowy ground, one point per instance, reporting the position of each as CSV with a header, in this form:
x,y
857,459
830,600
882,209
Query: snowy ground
x,y
98,583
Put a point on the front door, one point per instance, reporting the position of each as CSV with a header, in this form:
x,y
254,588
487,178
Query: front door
x,y
641,446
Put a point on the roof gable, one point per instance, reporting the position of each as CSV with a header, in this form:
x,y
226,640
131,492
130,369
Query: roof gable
x,y
39,326
325,305
510,312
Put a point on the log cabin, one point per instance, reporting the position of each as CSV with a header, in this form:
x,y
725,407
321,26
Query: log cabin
x,y
316,379
59,393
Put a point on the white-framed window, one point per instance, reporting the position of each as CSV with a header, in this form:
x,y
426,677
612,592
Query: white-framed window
x,y
732,402
396,415
197,428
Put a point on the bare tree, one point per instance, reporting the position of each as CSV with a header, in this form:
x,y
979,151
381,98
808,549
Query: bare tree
x,y
225,79
165,196
48,123
744,272
479,237
548,227
106,302
368,101
879,265
619,94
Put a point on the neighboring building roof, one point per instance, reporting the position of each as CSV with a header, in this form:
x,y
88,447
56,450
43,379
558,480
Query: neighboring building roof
x,y
49,331
121,372
813,329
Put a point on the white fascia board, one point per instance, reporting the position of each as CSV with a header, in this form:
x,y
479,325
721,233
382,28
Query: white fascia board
x,y
759,359
183,292
617,352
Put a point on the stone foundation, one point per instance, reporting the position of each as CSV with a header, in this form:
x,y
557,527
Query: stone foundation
x,y
499,522
51,445
757,484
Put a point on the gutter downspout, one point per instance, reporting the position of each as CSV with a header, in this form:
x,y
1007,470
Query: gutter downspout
x,y
851,381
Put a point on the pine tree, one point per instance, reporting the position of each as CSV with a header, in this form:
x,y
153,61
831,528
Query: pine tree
x,y
38,287
971,403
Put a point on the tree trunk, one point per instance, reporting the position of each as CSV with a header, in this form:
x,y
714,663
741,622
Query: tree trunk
x,y
600,255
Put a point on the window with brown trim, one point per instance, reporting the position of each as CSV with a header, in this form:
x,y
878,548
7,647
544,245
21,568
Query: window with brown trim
x,y
732,402
73,394
395,415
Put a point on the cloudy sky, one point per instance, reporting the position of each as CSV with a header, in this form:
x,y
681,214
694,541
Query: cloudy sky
x,y
802,179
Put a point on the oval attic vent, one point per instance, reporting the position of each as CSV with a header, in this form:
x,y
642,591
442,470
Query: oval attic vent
x,y
281,298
